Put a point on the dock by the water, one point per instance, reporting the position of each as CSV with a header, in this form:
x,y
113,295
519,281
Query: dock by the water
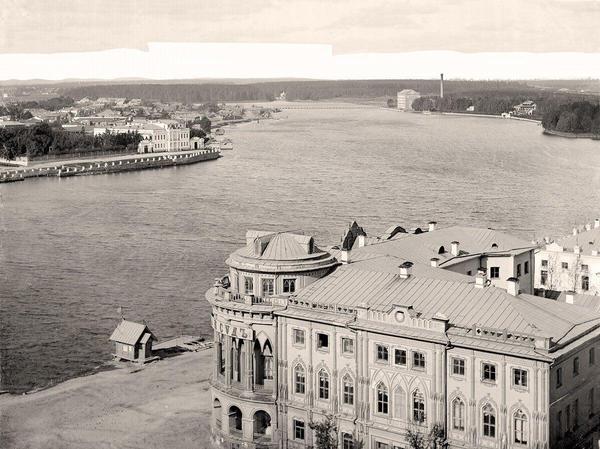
x,y
111,165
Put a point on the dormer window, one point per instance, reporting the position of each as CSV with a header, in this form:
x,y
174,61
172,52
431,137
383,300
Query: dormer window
x,y
494,245
441,250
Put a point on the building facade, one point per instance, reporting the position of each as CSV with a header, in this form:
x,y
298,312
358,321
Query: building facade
x,y
164,136
570,263
389,347
406,98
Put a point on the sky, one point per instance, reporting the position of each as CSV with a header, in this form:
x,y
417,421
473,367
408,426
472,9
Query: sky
x,y
481,39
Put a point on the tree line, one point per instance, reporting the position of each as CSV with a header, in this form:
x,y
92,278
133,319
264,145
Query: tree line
x,y
43,139
576,117
295,90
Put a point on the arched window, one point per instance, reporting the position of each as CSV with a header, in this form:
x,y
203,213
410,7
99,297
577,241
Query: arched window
x,y
418,407
235,419
441,250
399,403
458,414
347,441
323,384
299,379
348,390
520,427
383,401
217,412
494,245
268,360
489,421
262,424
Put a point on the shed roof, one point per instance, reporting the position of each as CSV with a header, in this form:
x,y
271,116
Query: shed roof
x,y
129,333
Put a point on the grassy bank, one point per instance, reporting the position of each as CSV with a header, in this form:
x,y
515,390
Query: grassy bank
x,y
163,405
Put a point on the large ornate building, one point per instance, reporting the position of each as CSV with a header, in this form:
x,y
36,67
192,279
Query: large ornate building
x,y
387,346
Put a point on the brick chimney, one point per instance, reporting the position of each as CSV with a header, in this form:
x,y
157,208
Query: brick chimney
x,y
597,223
588,226
434,262
455,248
431,225
405,270
512,286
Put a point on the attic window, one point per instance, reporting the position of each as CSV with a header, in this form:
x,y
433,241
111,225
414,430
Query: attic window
x,y
441,250
494,245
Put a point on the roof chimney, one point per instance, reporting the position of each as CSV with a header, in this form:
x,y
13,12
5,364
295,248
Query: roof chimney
x,y
481,278
345,256
431,225
597,223
512,286
575,231
588,226
434,262
569,297
405,269
455,248
362,241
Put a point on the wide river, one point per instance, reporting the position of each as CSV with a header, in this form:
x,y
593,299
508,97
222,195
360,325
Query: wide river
x,y
73,250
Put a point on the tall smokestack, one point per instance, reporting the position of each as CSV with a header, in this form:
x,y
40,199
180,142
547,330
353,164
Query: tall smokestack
x,y
441,85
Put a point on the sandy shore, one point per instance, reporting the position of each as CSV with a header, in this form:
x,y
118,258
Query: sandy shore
x,y
164,405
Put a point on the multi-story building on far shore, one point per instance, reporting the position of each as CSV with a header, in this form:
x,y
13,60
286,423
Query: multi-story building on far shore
x,y
389,347
406,98
164,135
570,263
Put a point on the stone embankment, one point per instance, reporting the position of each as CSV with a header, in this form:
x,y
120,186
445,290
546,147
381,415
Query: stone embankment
x,y
97,167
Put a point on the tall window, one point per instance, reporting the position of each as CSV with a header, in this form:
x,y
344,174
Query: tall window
x,y
347,346
518,270
489,421
519,377
248,285
268,366
576,414
418,360
418,407
592,356
576,366
544,276
520,427
289,285
299,379
383,400
382,353
564,265
558,377
526,267
400,357
322,341
489,372
348,390
298,429
347,441
545,263
585,283
458,367
494,272
559,424
458,414
268,287
298,335
591,403
323,384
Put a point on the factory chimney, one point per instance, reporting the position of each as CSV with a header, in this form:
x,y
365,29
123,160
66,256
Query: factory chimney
x,y
441,85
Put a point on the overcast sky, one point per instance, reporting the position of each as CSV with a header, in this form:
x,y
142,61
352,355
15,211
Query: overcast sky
x,y
345,34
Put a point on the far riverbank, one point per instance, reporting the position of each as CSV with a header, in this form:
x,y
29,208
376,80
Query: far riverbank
x,y
159,405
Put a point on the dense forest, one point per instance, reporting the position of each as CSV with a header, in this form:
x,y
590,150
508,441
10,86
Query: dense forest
x,y
43,139
295,90
577,117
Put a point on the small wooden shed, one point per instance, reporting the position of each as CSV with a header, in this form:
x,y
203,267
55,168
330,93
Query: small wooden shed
x,y
133,341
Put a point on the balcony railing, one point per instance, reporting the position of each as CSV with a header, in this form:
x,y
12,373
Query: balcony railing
x,y
226,294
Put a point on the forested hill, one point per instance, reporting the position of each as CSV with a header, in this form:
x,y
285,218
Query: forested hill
x,y
295,90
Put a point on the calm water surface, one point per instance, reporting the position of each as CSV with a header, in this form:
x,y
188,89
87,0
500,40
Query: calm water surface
x,y
73,250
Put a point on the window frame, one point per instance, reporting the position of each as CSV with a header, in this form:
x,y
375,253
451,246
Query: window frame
x,y
383,351
322,348
347,390
493,369
422,356
270,281
520,430
418,413
382,399
299,368
345,350
494,272
323,385
297,425
454,365
523,375
403,355
458,419
297,332
490,425
286,283
248,280
576,367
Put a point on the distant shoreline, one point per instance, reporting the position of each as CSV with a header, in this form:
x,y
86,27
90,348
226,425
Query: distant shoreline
x,y
552,132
